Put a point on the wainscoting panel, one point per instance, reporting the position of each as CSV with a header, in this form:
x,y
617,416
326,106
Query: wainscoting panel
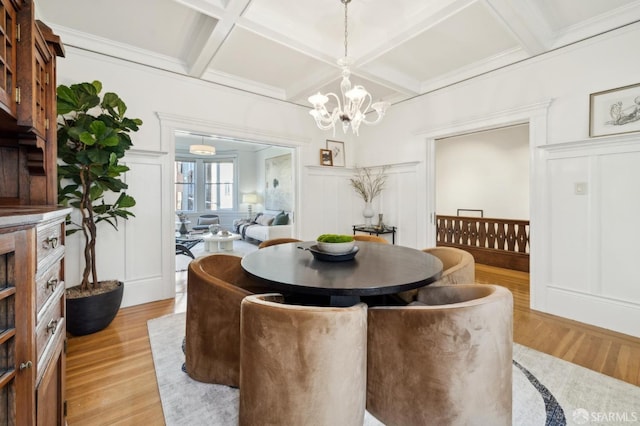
x,y
594,237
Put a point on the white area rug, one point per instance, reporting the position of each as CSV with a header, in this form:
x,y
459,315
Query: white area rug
x,y
546,390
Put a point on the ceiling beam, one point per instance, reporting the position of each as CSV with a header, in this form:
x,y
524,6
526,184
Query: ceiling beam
x,y
227,18
526,23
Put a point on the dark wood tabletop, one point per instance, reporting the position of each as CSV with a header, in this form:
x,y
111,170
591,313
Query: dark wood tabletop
x,y
377,269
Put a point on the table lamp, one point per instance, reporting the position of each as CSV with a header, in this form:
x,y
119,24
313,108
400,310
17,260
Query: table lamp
x,y
250,199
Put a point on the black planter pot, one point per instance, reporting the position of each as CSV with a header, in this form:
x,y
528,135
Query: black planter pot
x,y
90,314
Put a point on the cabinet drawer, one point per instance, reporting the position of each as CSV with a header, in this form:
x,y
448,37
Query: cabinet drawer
x,y
51,323
46,285
50,244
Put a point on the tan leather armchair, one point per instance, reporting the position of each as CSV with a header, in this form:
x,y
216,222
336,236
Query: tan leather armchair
x,y
302,365
215,288
443,361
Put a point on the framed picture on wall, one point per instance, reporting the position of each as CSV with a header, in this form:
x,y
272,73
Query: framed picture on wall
x,y
615,111
326,157
337,152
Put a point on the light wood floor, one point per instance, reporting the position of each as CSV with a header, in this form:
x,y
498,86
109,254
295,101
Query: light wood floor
x,y
111,379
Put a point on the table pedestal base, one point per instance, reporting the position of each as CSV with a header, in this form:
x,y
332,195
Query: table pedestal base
x,y
343,301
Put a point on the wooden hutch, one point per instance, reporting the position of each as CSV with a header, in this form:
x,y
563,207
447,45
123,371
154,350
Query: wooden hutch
x,y
32,305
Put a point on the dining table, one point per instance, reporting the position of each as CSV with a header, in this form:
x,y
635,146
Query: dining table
x,y
375,270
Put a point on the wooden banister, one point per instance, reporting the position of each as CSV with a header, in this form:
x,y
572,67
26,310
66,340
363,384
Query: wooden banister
x,y
492,241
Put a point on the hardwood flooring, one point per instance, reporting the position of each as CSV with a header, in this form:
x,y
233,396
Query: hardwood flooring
x,y
111,379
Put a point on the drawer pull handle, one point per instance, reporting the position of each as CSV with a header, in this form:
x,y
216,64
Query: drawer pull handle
x,y
52,283
25,365
51,242
51,327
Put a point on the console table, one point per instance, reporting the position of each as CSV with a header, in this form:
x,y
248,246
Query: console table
x,y
377,231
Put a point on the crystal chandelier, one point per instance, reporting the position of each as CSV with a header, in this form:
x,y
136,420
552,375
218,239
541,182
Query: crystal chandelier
x,y
350,111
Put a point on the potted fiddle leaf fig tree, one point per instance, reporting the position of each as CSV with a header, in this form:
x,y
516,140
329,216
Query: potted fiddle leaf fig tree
x,y
93,136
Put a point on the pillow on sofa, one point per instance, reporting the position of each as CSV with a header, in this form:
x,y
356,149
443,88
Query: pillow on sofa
x,y
281,218
265,220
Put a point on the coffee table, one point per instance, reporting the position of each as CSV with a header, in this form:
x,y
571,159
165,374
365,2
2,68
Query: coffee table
x,y
214,243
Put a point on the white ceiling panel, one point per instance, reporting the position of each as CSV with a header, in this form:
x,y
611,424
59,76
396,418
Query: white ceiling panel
x,y
565,13
250,56
447,46
161,26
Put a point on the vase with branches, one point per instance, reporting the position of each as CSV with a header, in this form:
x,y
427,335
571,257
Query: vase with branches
x,y
368,184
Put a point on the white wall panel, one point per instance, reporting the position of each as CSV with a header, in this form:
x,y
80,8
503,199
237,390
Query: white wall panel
x,y
487,171
620,233
569,223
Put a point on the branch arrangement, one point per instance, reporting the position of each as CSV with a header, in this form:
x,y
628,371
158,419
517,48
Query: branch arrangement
x,y
368,184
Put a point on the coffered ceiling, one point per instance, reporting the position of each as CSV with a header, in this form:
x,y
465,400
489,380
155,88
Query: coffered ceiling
x,y
287,49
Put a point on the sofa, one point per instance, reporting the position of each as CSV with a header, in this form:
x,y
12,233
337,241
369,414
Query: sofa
x,y
265,225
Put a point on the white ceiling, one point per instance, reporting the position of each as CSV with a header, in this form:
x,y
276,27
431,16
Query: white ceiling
x,y
286,49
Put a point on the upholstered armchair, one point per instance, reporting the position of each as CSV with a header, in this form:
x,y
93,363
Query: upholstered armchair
x,y
458,267
302,365
276,241
370,238
443,361
216,286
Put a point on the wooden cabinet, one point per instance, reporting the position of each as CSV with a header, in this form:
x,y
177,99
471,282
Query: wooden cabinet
x,y
32,316
28,148
32,305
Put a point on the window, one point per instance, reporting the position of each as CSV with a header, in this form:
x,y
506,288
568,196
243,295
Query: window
x,y
205,184
218,185
184,176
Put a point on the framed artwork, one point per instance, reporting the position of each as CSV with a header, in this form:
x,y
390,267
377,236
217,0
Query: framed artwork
x,y
278,183
326,158
615,111
337,152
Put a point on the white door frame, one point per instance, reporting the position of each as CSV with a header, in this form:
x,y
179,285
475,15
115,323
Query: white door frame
x,y
536,116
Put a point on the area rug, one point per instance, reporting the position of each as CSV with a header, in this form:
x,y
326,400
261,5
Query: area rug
x,y
547,391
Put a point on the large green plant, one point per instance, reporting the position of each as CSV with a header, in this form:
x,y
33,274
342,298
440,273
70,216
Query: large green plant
x,y
89,147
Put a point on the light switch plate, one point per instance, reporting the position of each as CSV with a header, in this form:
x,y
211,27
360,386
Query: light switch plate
x,y
580,188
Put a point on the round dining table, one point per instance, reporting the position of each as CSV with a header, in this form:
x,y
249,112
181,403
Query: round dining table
x,y
377,269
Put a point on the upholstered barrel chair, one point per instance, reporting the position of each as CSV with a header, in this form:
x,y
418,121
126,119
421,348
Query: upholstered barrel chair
x,y
215,288
370,238
276,241
458,267
443,361
302,365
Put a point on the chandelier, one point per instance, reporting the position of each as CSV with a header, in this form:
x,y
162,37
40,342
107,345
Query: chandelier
x,y
350,111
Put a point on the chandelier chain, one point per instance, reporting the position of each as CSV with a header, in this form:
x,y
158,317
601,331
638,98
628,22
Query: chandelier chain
x,y
346,34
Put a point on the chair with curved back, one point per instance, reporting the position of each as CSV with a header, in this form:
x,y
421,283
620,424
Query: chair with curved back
x,y
458,267
216,286
443,360
276,241
302,364
370,238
